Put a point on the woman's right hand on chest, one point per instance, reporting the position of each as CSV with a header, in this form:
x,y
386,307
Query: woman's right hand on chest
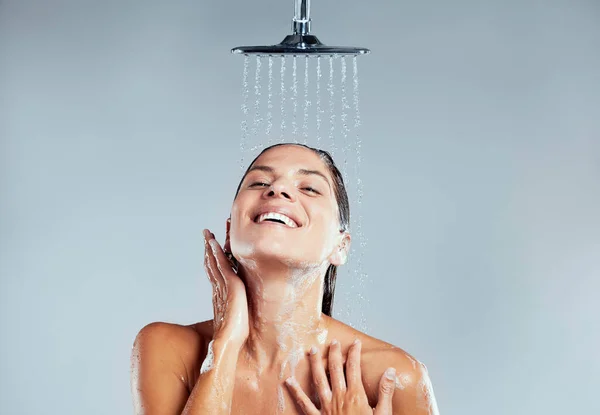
x,y
230,304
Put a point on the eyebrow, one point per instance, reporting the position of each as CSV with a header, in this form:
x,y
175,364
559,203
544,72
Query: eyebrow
x,y
303,172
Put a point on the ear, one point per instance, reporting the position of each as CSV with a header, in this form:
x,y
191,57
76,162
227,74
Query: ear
x,y
340,254
227,245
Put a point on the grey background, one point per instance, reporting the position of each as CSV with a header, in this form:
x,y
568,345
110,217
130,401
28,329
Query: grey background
x,y
120,126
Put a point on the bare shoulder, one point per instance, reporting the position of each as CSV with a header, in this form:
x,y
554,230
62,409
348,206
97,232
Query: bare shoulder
x,y
374,350
177,348
413,393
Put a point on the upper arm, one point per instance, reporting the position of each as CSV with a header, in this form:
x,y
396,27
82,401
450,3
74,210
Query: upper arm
x,y
414,393
157,374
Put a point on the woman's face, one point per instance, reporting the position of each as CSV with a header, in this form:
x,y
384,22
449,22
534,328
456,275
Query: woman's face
x,y
286,210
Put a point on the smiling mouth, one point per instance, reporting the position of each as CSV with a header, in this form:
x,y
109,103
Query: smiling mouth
x,y
276,218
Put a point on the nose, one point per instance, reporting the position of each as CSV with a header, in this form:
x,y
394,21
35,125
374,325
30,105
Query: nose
x,y
279,189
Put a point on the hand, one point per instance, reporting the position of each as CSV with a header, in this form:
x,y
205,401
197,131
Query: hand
x,y
347,396
230,305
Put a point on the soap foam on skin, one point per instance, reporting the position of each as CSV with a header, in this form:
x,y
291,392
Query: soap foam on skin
x,y
425,396
301,279
402,380
209,361
280,399
300,282
413,361
322,335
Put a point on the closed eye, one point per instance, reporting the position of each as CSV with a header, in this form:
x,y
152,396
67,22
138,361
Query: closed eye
x,y
310,189
259,184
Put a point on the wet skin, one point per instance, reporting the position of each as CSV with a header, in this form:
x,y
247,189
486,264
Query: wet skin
x,y
182,350
282,266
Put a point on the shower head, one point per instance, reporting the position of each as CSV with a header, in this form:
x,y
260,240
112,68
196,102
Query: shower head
x,y
300,42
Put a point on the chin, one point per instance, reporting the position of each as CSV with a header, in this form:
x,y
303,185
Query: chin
x,y
263,248
270,249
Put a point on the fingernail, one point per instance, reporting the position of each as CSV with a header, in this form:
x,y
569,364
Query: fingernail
x,y
290,381
313,350
390,373
334,342
356,341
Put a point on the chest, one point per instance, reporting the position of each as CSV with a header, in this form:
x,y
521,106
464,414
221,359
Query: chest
x,y
268,400
267,396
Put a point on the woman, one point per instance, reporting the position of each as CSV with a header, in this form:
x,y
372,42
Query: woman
x,y
272,346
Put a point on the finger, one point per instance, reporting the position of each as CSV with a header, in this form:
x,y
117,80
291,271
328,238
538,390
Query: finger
x,y
336,370
319,376
211,263
223,264
207,251
305,404
353,372
387,384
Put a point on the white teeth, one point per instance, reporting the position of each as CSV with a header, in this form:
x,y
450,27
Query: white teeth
x,y
272,215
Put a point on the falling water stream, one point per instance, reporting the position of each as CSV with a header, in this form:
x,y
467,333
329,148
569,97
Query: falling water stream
x,y
331,89
270,102
352,279
306,103
295,99
343,117
257,114
282,97
245,93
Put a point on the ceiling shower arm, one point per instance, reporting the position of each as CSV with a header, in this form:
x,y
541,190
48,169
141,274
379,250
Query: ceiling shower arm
x,y
300,42
301,21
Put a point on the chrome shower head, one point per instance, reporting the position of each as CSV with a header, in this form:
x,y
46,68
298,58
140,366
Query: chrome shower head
x,y
301,42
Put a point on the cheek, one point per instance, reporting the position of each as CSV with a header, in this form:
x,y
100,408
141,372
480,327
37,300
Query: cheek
x,y
325,230
239,206
326,217
236,221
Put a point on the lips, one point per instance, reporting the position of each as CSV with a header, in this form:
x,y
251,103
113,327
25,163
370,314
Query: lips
x,y
277,215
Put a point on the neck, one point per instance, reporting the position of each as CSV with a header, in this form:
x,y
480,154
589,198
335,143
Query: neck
x,y
285,318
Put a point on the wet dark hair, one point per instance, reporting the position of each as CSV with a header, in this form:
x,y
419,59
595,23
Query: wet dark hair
x,y
341,197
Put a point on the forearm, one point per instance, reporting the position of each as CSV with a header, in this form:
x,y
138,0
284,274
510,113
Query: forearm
x,y
213,392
